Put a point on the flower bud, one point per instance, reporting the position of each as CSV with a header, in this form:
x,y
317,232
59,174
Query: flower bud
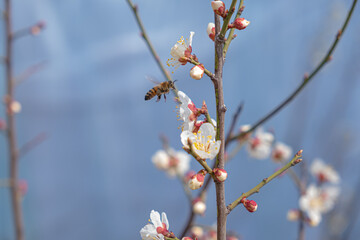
x,y
197,231
36,29
240,23
243,129
211,31
186,238
14,107
220,174
197,180
293,215
250,205
199,206
218,7
22,187
197,72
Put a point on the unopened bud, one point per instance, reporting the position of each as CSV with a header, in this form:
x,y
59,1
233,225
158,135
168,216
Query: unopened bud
x,y
22,187
186,238
199,207
211,31
240,23
197,180
14,107
218,7
197,72
197,231
220,174
250,205
293,215
36,29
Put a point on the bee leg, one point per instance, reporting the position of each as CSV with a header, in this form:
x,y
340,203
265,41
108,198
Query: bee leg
x,y
165,97
159,97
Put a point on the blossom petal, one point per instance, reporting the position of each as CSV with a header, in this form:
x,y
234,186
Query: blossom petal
x,y
155,218
165,220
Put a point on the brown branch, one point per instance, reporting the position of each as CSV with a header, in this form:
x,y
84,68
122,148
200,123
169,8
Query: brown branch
x,y
11,129
307,79
28,72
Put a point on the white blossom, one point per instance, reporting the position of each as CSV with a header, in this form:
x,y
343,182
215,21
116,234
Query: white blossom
x,y
324,172
180,50
281,152
259,146
151,230
203,142
175,163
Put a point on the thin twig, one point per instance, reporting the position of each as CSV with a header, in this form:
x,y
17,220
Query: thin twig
x,y
166,74
231,33
11,129
28,72
27,147
297,159
224,27
233,122
307,79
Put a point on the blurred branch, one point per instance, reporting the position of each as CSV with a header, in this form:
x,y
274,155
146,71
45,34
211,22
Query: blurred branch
x,y
28,72
11,128
233,122
27,147
307,78
297,159
134,8
27,31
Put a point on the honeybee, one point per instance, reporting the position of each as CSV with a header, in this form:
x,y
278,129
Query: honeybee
x,y
160,89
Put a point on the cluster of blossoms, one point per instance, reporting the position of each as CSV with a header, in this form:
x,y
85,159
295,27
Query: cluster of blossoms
x,y
263,145
181,52
319,198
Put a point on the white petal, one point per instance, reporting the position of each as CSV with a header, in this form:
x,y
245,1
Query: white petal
x,y
165,220
155,218
148,232
185,135
208,130
191,38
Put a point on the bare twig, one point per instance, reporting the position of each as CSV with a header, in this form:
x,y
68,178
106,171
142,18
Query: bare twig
x,y
166,74
307,79
297,159
233,122
28,72
27,147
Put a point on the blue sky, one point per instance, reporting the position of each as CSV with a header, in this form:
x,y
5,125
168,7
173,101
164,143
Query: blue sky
x,y
93,178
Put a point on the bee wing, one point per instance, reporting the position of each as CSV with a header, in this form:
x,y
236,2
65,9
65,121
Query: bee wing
x,y
152,79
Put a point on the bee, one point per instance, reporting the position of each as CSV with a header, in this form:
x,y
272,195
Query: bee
x,y
160,89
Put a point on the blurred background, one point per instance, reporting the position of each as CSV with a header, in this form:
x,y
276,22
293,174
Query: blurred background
x,y
92,178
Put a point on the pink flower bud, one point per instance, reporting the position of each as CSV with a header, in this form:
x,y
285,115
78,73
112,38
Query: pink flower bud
x,y
211,31
250,205
36,29
218,7
197,72
240,23
220,174
14,107
197,180
22,187
199,207
186,238
197,231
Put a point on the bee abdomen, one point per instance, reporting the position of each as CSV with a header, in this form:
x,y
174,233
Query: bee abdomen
x,y
150,94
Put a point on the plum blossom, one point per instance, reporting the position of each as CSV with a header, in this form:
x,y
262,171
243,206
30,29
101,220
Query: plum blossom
x,y
203,142
281,152
157,228
180,51
324,172
174,163
218,7
259,146
317,201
